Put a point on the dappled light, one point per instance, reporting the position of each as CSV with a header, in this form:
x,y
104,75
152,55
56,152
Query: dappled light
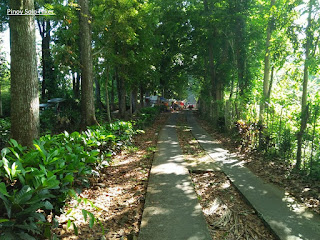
x,y
171,203
159,119
262,196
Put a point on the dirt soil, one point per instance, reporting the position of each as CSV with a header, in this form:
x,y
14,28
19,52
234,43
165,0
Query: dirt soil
x,y
228,215
116,196
272,170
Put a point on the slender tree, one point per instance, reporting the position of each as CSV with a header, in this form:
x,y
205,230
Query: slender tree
x,y
108,111
24,77
266,75
48,75
304,105
87,95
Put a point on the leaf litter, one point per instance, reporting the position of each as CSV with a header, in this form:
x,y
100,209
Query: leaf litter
x,y
227,213
274,170
116,195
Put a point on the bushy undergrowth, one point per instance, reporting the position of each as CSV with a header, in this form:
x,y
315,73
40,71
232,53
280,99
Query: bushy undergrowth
x,y
146,116
5,126
35,182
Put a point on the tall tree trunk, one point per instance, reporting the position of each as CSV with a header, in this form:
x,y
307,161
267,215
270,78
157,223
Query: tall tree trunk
x,y
1,108
266,75
113,80
211,66
238,10
48,87
121,95
135,99
98,93
107,96
78,85
304,106
141,97
24,76
131,104
74,82
87,96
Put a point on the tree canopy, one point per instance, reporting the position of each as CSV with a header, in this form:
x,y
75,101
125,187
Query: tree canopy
x,y
249,62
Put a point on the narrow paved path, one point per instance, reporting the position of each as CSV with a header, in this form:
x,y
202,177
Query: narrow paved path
x,y
289,220
172,211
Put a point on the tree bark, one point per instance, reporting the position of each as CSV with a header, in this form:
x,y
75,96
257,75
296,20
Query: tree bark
x,y
304,106
141,97
121,95
107,97
112,100
135,100
76,84
266,75
87,96
48,77
98,93
24,76
131,104
1,108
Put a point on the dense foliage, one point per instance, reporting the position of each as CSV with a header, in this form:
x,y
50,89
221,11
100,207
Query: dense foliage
x,y
253,66
35,182
260,78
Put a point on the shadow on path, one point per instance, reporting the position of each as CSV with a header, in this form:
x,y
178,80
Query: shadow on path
x,y
171,209
288,219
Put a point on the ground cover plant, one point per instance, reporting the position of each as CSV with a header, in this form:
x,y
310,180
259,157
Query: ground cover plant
x,y
36,182
117,193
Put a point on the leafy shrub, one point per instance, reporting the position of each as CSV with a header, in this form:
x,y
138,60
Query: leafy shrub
x,y
48,120
147,116
245,133
64,117
36,181
5,126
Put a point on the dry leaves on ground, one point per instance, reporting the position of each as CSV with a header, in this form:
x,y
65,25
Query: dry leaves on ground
x,y
226,212
273,170
117,194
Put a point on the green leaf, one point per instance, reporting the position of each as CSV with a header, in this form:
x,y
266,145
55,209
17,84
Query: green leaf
x,y
73,194
23,195
85,214
4,220
69,178
42,152
48,205
6,167
25,236
69,223
91,220
15,153
3,189
13,143
102,227
13,169
51,182
7,204
75,229
4,152
8,236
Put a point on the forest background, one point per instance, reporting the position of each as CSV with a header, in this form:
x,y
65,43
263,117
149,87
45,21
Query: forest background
x,y
253,65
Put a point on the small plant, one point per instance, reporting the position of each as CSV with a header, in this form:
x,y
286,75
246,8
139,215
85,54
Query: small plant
x,y
35,182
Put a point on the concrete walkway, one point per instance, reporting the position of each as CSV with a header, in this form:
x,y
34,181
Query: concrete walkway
x,y
172,211
289,220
